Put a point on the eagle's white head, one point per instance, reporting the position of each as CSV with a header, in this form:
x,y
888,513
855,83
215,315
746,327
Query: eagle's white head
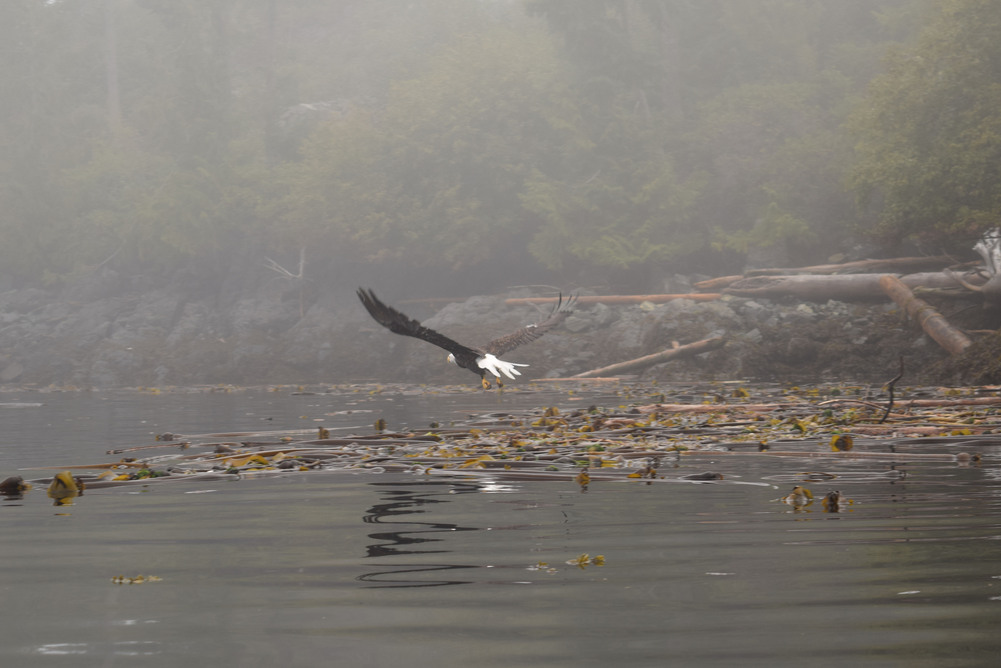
x,y
451,359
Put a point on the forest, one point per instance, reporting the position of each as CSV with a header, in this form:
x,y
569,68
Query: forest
x,y
491,142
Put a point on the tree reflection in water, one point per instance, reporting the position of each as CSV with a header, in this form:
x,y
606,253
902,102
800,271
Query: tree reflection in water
x,y
402,499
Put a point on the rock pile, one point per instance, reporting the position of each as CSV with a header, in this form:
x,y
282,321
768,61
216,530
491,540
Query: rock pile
x,y
166,336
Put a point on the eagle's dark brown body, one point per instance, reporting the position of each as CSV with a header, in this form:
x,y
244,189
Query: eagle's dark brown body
x,y
478,360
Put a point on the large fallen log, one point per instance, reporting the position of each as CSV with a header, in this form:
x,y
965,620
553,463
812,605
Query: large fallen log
x,y
931,321
894,264
842,287
717,284
620,299
897,265
703,346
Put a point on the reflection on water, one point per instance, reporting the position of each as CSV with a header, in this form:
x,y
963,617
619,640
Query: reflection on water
x,y
126,648
350,567
401,500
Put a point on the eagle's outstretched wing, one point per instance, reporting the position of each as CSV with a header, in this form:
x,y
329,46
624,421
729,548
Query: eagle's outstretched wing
x,y
532,332
400,323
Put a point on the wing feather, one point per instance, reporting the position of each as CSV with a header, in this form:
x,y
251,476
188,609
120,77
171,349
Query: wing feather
x,y
531,332
400,323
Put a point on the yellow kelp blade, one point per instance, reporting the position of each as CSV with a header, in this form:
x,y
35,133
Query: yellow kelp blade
x,y
64,488
799,497
841,443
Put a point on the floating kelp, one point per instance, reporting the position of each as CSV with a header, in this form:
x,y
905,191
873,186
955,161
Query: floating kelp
x,y
585,560
834,501
137,579
642,441
14,487
799,497
64,487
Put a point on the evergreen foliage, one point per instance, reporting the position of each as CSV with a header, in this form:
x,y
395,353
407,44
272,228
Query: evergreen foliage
x,y
929,136
569,135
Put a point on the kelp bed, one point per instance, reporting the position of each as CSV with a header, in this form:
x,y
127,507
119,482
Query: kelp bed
x,y
652,436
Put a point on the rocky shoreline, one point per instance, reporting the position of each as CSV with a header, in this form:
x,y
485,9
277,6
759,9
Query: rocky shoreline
x,y
168,336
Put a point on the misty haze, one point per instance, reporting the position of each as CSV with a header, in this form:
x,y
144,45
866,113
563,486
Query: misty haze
x,y
193,191
557,333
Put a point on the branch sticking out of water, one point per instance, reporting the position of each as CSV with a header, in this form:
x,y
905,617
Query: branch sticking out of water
x,y
889,388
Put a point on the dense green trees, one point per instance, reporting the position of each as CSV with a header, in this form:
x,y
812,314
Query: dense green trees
x,y
717,125
929,136
570,135
433,174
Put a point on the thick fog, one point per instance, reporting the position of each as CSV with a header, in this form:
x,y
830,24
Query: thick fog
x,y
450,148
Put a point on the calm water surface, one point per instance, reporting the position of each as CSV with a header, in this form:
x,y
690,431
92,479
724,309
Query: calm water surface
x,y
363,569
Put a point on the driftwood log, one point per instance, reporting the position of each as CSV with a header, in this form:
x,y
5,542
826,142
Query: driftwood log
x,y
703,346
931,321
716,284
841,287
619,299
896,265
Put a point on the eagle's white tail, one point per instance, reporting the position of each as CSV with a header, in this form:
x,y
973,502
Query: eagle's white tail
x,y
498,366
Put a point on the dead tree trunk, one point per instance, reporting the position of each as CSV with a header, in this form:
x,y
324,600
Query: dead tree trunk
x,y
931,321
842,287
688,350
900,265
620,299
896,264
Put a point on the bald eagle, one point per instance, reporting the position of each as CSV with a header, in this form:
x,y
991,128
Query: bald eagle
x,y
478,360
